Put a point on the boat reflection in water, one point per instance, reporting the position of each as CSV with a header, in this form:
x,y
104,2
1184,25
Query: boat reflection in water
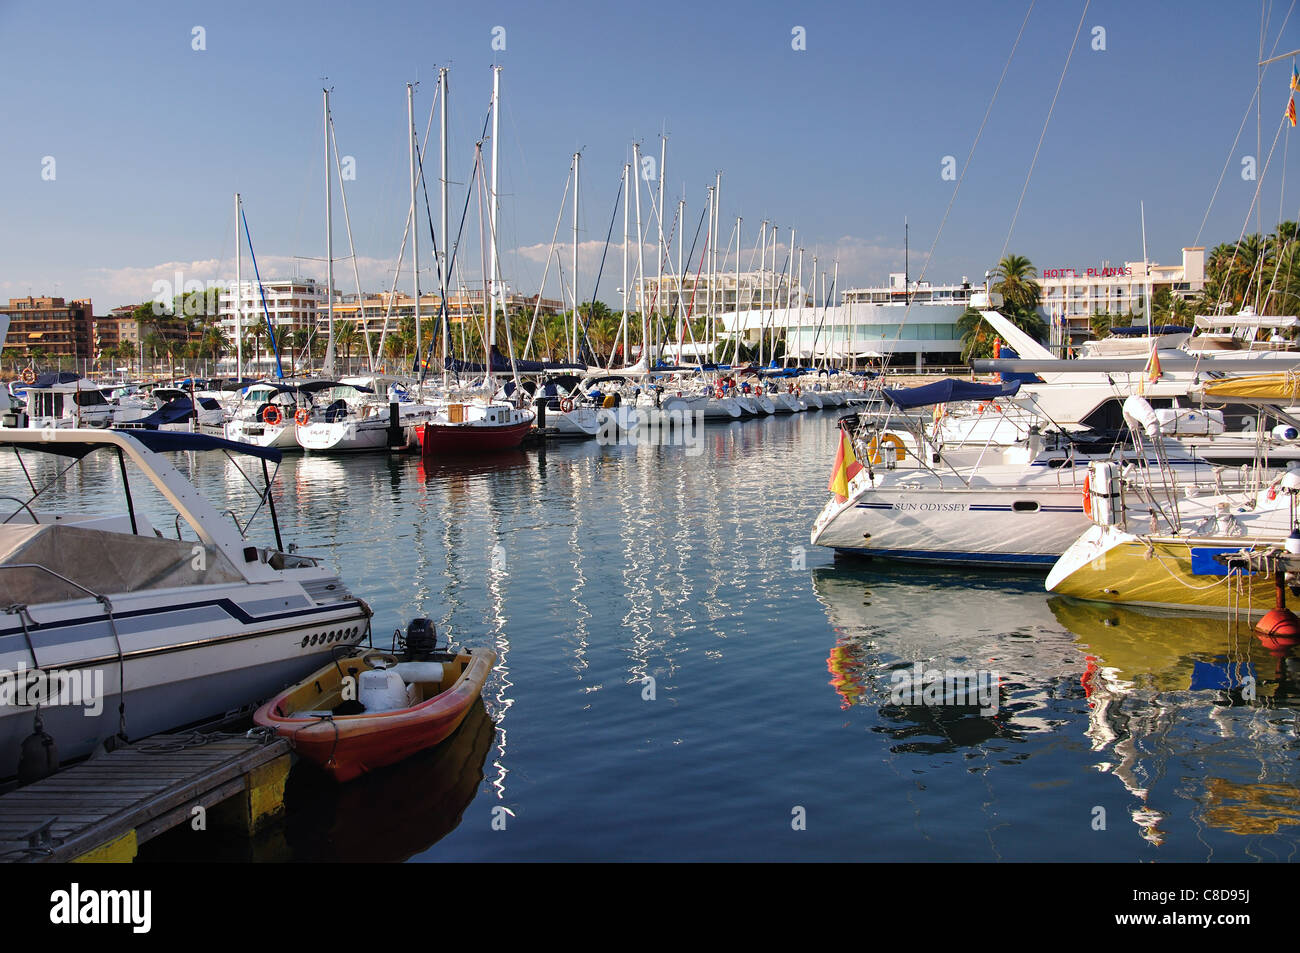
x,y
895,623
1195,717
385,816
1196,704
393,813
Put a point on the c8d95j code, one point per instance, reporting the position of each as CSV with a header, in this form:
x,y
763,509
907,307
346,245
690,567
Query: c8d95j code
x,y
1219,895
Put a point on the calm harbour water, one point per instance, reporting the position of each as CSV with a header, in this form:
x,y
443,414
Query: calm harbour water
x,y
1114,737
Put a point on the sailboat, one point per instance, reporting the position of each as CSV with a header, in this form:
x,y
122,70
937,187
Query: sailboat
x,y
483,425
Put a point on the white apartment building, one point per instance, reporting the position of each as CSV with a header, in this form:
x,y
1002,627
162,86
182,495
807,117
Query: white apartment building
x,y
730,292
290,302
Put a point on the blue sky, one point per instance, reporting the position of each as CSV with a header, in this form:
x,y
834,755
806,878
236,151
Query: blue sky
x,y
843,140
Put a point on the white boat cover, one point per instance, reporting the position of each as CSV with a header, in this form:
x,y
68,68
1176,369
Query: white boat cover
x,y
103,562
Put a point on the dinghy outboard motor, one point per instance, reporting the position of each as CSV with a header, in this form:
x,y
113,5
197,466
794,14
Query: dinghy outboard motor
x,y
421,640
39,758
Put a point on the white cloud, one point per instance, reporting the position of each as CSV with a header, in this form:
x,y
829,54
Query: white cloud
x,y
861,260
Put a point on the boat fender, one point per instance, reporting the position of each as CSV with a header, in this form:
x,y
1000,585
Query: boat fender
x,y
38,758
381,689
419,671
1139,414
1284,432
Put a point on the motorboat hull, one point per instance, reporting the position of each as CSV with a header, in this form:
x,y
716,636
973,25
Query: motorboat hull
x,y
348,746
243,648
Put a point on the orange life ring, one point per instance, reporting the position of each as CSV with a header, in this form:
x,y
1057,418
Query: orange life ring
x,y
29,375
566,405
864,385
758,391
719,392
1087,495
302,416
874,453
272,416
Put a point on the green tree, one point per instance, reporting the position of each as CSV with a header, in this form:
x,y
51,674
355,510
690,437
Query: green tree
x,y
1018,283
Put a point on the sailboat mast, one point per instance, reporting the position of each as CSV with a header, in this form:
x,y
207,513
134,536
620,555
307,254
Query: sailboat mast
x,y
492,221
789,298
640,255
736,313
659,258
415,226
681,276
762,289
717,227
239,299
573,342
442,259
626,202
710,240
329,241
1146,267
801,300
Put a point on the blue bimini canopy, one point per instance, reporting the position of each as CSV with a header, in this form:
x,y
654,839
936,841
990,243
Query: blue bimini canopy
x,y
164,441
173,412
941,392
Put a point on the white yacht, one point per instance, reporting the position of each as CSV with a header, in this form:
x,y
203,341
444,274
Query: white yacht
x,y
364,421
1000,505
62,399
166,630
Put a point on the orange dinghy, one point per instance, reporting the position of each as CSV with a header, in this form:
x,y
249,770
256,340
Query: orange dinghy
x,y
374,709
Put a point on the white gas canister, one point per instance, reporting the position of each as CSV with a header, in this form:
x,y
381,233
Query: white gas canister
x,y
381,689
1104,489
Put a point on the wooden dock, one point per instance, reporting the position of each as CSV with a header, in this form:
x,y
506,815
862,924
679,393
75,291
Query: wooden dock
x,y
102,809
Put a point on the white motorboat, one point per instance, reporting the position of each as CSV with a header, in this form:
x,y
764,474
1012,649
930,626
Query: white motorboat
x,y
62,399
157,632
364,422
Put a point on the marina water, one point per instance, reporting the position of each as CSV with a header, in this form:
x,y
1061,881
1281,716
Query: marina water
x,y
682,677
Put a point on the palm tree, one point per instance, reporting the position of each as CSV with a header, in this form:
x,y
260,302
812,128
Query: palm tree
x,y
345,339
976,335
215,342
1018,282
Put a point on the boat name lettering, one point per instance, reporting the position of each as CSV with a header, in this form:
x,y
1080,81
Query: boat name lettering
x,y
931,507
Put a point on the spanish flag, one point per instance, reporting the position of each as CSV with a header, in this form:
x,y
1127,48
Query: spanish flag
x,y
1153,367
846,468
1290,110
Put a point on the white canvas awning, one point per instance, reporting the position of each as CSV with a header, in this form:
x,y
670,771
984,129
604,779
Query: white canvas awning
x,y
1235,322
